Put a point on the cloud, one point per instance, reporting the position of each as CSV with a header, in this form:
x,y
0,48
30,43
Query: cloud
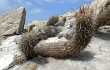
x,y
19,1
48,1
33,7
35,11
28,3
62,1
4,5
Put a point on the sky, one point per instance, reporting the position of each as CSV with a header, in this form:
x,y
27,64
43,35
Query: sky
x,y
42,9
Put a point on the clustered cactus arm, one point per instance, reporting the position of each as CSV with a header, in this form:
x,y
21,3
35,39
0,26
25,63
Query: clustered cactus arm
x,y
103,18
84,32
30,39
52,21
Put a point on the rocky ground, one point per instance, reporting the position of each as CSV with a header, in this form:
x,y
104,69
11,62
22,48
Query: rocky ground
x,y
95,57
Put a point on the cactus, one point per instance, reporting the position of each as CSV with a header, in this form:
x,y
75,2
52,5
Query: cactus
x,y
26,44
83,33
64,19
52,21
30,39
18,59
103,18
30,27
61,22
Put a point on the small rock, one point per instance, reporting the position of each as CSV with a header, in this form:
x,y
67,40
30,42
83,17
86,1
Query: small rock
x,y
10,32
6,61
28,66
38,25
12,22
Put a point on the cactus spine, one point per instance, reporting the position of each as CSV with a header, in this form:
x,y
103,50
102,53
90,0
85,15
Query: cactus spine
x,y
83,34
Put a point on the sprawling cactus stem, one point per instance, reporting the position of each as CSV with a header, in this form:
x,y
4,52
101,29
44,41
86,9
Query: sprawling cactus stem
x,y
84,32
52,21
27,42
103,18
30,39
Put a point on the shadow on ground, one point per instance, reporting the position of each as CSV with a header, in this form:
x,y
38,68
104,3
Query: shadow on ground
x,y
40,60
84,56
104,36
